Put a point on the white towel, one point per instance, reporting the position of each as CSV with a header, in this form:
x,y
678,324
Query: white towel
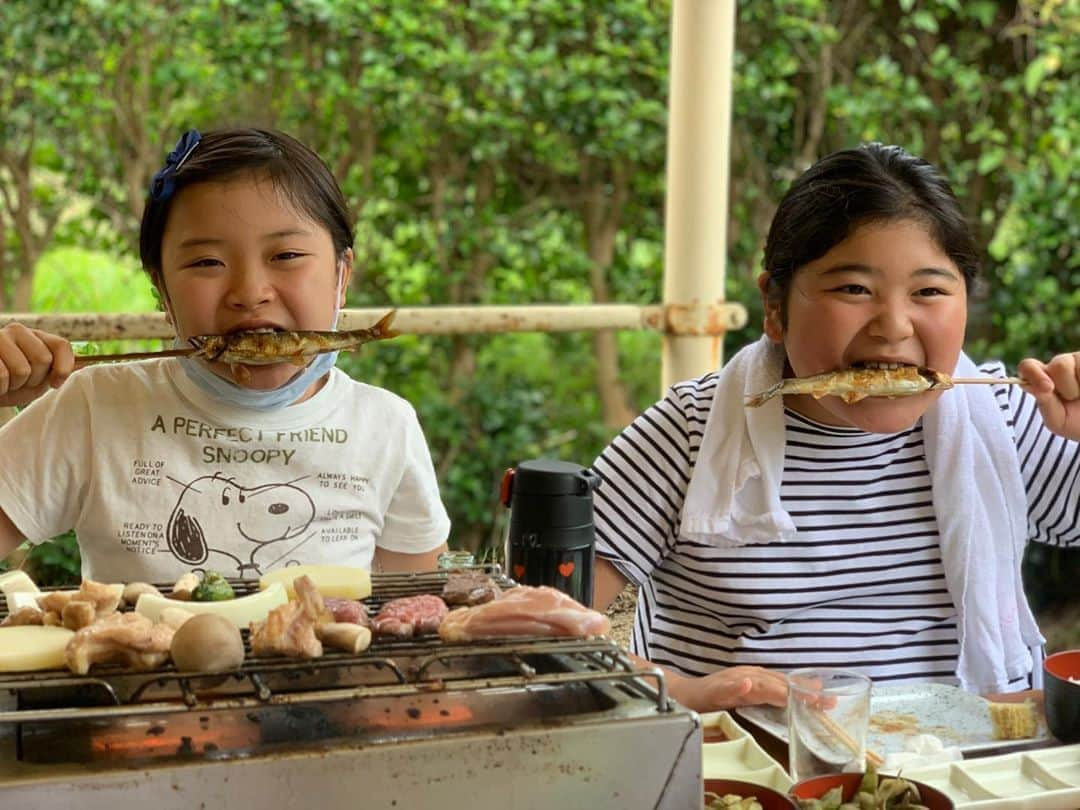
x,y
734,498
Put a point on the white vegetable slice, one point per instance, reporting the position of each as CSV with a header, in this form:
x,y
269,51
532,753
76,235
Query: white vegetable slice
x,y
240,611
21,599
13,582
338,581
23,649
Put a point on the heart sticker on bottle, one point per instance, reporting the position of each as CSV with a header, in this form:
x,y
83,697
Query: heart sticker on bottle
x,y
519,571
566,569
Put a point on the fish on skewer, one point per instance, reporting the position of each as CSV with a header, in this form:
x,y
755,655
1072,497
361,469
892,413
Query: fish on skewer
x,y
859,382
258,348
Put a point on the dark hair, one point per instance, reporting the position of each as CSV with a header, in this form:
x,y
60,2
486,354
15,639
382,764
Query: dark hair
x,y
872,183
296,172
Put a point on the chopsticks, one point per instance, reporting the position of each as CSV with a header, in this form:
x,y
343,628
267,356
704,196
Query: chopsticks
x,y
837,731
90,359
989,380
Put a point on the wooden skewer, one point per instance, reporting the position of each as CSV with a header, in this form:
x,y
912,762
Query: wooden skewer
x,y
837,731
90,359
989,380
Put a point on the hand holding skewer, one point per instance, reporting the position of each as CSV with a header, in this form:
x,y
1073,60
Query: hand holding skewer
x,y
1056,388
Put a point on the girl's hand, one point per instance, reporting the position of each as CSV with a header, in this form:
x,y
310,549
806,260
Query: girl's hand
x,y
730,688
31,362
1056,388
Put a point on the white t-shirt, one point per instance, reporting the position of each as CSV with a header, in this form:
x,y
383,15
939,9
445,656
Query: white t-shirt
x,y
156,478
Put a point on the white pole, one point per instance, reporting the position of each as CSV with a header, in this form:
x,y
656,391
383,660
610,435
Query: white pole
x,y
696,211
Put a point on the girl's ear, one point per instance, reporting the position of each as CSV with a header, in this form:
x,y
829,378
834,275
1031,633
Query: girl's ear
x,y
345,268
773,326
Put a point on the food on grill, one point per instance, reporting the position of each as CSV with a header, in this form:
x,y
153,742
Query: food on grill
x,y
260,348
183,587
341,581
54,601
26,616
207,643
1013,721
133,590
731,802
240,611
525,611
213,588
78,614
129,639
410,616
469,588
347,611
175,617
12,582
23,649
289,630
352,638
854,384
23,599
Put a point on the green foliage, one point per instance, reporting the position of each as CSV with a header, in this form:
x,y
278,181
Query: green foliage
x,y
471,138
54,562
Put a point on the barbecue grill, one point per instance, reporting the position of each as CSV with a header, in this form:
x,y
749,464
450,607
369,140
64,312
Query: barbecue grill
x,y
521,723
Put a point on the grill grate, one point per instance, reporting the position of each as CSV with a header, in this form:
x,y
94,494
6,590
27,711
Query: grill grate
x,y
388,668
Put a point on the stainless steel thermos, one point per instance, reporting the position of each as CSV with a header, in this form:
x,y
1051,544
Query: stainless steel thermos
x,y
550,540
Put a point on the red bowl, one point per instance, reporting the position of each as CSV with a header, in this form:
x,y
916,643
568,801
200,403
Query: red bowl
x,y
818,786
1062,696
766,796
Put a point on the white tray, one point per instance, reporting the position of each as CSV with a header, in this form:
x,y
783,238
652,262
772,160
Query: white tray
x,y
739,756
897,713
1047,779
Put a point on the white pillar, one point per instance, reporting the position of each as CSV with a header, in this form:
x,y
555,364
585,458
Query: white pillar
x,y
696,210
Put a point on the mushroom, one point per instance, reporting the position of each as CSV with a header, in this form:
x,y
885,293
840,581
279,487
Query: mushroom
x,y
352,638
207,643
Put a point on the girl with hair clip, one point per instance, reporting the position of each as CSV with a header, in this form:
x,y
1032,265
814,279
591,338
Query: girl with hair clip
x,y
884,534
165,465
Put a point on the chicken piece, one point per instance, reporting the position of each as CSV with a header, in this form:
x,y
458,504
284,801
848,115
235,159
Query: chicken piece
x,y
184,586
104,598
525,611
469,588
410,616
51,618
78,614
54,601
289,630
119,638
348,611
25,615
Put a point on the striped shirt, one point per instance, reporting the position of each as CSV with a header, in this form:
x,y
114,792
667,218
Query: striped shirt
x,y
862,583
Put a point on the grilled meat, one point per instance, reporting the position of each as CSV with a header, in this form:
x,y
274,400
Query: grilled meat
x,y
469,588
289,630
409,616
525,611
348,611
119,638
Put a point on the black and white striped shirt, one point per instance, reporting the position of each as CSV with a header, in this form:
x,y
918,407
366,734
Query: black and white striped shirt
x,y
861,585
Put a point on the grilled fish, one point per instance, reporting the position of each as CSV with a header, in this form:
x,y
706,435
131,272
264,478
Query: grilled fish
x,y
266,348
854,384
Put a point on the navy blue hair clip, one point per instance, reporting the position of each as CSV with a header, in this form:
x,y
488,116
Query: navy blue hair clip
x,y
164,183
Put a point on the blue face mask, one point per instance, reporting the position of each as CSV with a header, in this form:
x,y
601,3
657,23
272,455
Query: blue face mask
x,y
232,394
229,392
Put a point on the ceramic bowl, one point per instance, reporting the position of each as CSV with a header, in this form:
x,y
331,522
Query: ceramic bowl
x,y
818,786
1063,695
768,798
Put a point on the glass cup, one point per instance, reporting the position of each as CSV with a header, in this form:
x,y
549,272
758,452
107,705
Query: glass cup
x,y
828,717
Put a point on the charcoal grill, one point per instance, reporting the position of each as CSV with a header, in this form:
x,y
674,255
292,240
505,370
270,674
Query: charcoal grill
x,y
521,723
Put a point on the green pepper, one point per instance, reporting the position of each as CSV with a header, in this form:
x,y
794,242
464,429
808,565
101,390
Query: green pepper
x,y
213,588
